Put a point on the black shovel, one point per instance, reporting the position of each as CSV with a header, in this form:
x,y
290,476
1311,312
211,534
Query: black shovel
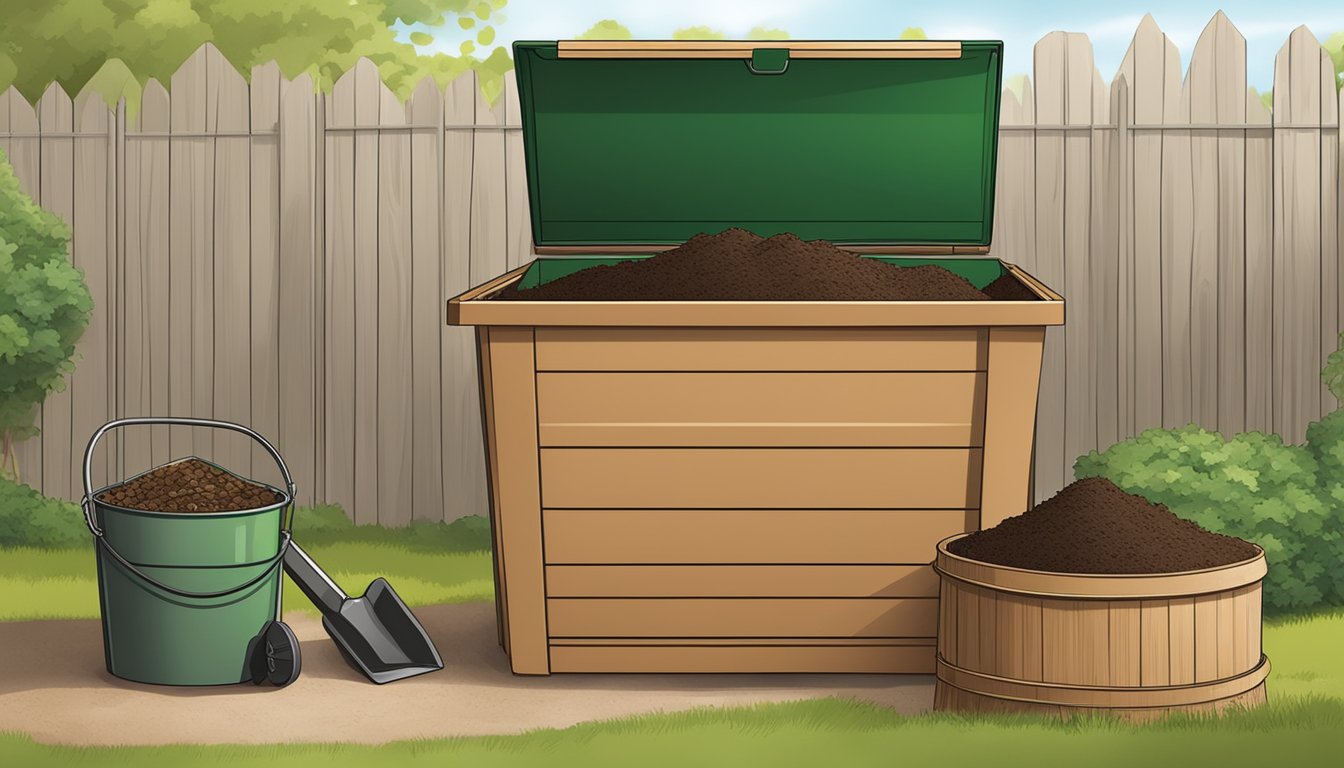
x,y
376,632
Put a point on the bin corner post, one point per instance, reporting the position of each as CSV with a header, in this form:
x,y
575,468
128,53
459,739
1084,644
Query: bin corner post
x,y
517,496
1014,375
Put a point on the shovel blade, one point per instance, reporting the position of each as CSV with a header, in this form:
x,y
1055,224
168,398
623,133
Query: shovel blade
x,y
379,636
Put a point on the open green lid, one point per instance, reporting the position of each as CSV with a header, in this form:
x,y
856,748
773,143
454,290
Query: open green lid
x,y
652,142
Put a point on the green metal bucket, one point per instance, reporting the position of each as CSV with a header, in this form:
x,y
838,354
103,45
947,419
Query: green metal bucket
x,y
183,595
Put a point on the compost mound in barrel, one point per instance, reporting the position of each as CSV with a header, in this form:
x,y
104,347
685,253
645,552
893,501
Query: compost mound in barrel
x,y
737,265
190,485
1092,526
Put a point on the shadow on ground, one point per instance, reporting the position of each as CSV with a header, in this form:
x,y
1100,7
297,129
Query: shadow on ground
x,y
55,687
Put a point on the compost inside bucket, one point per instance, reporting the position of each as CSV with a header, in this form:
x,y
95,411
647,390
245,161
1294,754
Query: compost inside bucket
x,y
737,265
1092,526
189,485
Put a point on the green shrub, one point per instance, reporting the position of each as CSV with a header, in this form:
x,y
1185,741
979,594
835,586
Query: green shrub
x,y
44,308
328,524
1253,487
29,519
1325,440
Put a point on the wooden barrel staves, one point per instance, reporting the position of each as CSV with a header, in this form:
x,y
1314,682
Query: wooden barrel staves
x,y
1138,646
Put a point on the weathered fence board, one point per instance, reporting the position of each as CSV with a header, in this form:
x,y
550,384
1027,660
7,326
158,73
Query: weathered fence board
x,y
1259,267
1051,85
264,209
1081,92
427,302
263,252
1298,285
393,361
56,117
298,284
231,261
338,345
363,408
463,458
1146,68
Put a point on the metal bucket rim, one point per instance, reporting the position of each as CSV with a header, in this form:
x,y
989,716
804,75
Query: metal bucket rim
x,y
284,501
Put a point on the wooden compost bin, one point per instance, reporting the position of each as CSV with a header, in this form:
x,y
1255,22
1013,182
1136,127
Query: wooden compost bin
x,y
750,486
744,487
1139,646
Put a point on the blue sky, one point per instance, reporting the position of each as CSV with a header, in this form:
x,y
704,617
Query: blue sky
x,y
1110,25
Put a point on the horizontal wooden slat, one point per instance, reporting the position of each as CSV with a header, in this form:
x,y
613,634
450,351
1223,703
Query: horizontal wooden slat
x,y
763,349
727,536
779,478
761,409
934,315
745,617
873,659
741,581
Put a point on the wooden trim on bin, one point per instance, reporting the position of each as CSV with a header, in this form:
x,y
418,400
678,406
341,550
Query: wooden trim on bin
x,y
721,659
1014,376
742,49
758,314
471,308
1099,586
741,581
749,536
518,501
824,350
743,617
484,289
1036,286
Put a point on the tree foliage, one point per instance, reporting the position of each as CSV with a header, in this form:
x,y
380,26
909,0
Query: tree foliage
x,y
766,33
69,40
607,29
44,308
700,32
914,33
1334,45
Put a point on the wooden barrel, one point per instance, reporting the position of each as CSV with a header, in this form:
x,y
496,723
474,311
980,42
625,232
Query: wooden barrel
x,y
1139,646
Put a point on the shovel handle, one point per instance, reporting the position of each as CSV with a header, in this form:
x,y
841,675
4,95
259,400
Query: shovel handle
x,y
87,502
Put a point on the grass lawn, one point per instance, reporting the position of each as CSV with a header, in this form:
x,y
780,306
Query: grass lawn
x,y
826,732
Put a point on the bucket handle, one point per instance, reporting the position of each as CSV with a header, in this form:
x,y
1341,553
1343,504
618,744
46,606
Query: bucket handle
x,y
87,502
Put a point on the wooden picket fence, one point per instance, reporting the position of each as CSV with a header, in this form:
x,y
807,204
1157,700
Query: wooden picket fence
x,y
264,253
1194,235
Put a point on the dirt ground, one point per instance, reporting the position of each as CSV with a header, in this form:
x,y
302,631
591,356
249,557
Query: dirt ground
x,y
55,687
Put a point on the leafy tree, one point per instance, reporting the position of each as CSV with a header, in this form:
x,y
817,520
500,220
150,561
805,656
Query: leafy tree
x,y
44,308
914,33
69,40
765,33
698,33
607,29
1333,45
